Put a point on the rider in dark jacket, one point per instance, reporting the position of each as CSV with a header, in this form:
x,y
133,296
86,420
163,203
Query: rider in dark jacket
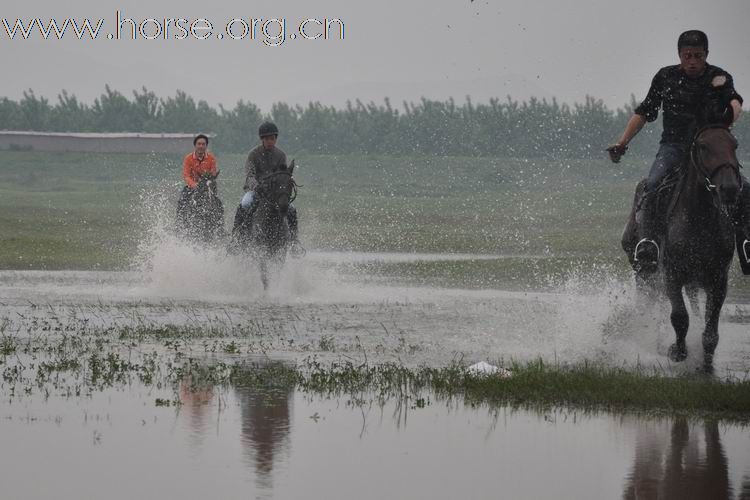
x,y
260,161
683,92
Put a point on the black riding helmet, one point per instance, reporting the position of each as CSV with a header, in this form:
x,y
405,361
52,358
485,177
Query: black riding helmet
x,y
268,128
693,38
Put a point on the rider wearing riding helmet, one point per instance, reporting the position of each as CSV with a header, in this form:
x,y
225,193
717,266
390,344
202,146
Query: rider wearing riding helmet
x,y
196,164
683,92
262,160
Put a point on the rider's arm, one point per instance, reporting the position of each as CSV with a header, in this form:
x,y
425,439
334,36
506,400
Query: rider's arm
x,y
649,108
283,160
212,168
249,173
724,84
647,111
187,172
635,124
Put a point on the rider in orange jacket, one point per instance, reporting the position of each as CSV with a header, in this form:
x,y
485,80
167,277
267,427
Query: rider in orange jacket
x,y
198,163
195,165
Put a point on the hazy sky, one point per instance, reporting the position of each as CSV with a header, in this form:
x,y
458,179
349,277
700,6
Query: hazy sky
x,y
397,48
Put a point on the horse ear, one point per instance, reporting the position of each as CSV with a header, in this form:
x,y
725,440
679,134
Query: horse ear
x,y
291,167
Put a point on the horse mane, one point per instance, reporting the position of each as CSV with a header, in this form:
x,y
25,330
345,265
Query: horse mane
x,y
709,126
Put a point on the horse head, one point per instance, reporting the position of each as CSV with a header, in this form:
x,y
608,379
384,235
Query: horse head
x,y
714,155
206,188
278,188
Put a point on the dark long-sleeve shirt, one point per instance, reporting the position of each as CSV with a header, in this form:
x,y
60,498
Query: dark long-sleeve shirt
x,y
260,162
681,97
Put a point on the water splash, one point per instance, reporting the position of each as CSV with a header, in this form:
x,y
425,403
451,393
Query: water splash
x,y
176,268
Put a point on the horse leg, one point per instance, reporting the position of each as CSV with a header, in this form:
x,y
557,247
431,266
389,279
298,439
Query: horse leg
x,y
264,272
680,321
714,301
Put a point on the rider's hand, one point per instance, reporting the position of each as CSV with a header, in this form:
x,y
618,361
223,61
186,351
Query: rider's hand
x,y
616,151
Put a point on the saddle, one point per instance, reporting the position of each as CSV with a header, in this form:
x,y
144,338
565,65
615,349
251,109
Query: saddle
x,y
665,199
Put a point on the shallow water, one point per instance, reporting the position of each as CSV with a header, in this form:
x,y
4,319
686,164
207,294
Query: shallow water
x,y
314,306
111,440
245,443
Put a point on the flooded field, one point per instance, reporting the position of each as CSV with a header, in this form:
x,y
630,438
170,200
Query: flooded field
x,y
158,370
89,388
241,442
317,306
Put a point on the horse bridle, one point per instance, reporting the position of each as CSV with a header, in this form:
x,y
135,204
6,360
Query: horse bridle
x,y
265,179
209,185
696,160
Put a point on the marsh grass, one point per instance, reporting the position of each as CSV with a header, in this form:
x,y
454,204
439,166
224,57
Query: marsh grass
x,y
538,384
91,359
535,385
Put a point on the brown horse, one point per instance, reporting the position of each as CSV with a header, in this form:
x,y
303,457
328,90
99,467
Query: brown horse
x,y
699,238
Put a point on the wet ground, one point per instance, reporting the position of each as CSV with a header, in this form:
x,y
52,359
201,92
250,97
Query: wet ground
x,y
315,302
239,442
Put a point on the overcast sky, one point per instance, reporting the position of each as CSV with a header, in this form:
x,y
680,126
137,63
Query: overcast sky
x,y
401,49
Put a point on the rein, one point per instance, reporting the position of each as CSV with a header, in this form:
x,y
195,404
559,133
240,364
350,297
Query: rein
x,y
261,186
697,161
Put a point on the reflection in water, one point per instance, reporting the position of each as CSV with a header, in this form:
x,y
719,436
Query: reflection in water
x,y
677,468
265,426
196,402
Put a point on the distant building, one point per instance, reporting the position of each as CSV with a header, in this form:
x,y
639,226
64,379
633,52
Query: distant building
x,y
97,142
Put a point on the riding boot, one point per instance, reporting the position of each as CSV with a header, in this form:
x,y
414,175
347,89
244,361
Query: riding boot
x,y
647,251
742,222
296,247
243,221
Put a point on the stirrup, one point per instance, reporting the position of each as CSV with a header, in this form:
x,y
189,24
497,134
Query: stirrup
x,y
745,249
646,240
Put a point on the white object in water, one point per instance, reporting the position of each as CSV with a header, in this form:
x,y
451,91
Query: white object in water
x,y
485,369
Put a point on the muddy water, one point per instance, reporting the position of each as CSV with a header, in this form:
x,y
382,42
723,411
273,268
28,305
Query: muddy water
x,y
242,443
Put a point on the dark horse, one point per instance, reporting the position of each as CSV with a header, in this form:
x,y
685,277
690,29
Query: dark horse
x,y
268,239
699,238
200,214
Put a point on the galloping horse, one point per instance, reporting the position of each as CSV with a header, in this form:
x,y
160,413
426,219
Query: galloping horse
x,y
202,217
269,238
699,240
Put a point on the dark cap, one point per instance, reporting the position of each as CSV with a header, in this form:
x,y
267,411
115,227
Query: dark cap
x,y
268,128
692,38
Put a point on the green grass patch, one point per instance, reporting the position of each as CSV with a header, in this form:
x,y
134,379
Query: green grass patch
x,y
534,385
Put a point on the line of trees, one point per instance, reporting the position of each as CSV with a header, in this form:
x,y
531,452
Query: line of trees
x,y
533,128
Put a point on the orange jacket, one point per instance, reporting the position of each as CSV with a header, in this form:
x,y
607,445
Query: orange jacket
x,y
193,168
